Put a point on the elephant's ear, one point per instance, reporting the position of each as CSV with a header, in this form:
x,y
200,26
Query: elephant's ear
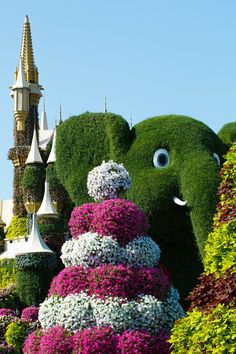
x,y
83,142
228,133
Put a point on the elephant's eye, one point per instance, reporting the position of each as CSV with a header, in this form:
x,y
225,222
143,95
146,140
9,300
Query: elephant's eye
x,y
161,158
216,158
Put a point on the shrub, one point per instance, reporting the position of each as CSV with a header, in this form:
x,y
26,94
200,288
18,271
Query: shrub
x,y
17,227
7,312
7,272
9,297
30,314
15,334
200,332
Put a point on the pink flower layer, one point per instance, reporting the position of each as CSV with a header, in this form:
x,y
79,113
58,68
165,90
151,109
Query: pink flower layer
x,y
30,313
119,218
96,341
7,312
108,280
56,340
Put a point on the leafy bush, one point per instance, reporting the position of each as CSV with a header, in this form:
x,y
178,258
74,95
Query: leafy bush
x,y
7,272
213,291
17,227
15,335
199,332
9,297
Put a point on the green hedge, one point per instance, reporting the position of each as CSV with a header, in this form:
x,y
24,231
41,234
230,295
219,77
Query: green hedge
x,y
84,141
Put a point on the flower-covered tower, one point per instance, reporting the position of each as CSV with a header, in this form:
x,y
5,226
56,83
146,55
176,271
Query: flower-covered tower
x,y
26,93
114,296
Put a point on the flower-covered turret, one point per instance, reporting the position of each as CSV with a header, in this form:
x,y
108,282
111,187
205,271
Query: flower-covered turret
x,y
114,296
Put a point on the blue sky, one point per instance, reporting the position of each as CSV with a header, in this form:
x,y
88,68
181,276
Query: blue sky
x,y
149,57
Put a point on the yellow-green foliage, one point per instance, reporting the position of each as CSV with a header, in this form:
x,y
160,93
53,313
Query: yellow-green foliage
x,y
220,249
206,333
7,272
15,335
17,227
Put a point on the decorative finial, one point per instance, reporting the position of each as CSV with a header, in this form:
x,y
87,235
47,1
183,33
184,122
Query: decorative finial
x,y
105,104
131,122
60,117
26,19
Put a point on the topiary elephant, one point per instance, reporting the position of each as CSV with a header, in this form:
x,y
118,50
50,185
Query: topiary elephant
x,y
173,162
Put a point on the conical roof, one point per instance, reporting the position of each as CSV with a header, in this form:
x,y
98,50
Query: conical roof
x,y
21,79
34,154
52,155
35,242
47,209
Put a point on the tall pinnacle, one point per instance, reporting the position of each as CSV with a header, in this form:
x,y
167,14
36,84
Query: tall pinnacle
x,y
27,55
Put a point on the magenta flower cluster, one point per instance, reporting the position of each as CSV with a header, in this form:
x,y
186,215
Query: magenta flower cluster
x,y
56,340
7,312
80,219
108,280
116,217
95,341
30,314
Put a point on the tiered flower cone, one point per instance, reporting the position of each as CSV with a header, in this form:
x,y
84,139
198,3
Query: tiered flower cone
x,y
113,296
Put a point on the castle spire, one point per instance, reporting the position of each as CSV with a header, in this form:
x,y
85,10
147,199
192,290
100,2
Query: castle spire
x,y
105,104
27,55
44,122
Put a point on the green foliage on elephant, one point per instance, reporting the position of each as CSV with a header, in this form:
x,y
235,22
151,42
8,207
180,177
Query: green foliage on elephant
x,y
228,133
167,157
199,333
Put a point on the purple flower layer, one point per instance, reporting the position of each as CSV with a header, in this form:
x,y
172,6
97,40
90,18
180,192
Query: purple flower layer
x,y
30,314
119,218
108,280
96,341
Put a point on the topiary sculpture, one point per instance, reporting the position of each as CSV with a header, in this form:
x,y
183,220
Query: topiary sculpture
x,y
114,296
168,157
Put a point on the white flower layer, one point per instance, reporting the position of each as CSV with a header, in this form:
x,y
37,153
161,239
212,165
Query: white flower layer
x,y
92,250
78,311
107,181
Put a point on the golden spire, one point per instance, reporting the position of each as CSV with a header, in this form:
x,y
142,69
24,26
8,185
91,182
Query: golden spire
x,y
27,55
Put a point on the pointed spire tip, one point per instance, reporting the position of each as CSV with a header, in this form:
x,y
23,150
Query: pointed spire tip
x,y
26,19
